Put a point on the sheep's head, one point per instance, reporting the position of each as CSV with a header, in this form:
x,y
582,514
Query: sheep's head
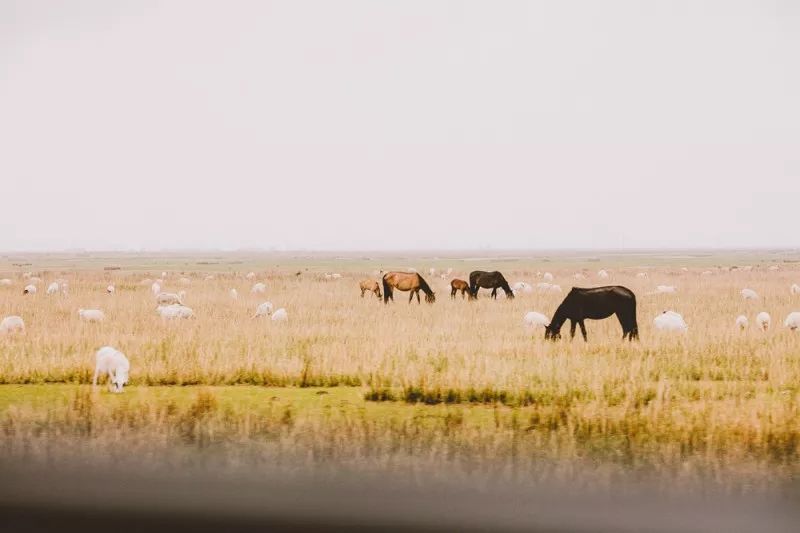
x,y
120,379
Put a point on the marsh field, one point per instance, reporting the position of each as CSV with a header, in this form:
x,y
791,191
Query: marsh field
x,y
456,391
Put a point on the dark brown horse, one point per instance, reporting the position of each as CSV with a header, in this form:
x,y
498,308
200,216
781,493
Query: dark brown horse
x,y
406,281
595,304
458,285
370,285
479,279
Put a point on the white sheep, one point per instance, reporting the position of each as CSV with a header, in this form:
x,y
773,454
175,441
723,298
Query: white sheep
x,y
794,289
113,363
792,320
741,322
763,320
336,275
163,275
263,309
168,312
168,298
432,271
210,277
251,275
666,289
29,289
111,289
522,286
774,268
547,276
749,294
91,315
53,288
684,269
5,282
602,274
641,275
258,288
670,321
555,288
156,288
534,319
234,294
11,324
280,315
706,273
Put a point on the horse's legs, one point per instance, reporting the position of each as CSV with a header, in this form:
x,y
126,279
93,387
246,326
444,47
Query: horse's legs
x,y
411,296
362,293
583,330
572,325
463,293
417,293
453,292
494,293
627,330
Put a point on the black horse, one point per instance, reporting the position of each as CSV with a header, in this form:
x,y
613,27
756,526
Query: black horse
x,y
596,303
478,279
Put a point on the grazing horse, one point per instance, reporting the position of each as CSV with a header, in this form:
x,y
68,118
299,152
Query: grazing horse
x,y
479,279
406,281
596,303
370,285
458,285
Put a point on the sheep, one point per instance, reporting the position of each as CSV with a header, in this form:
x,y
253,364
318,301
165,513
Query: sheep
x,y
763,320
52,288
794,289
163,275
774,268
741,322
684,269
547,276
534,319
602,274
29,289
792,320
156,288
336,275
522,286
12,324
168,312
91,315
706,273
114,363
263,309
210,277
168,298
234,294
665,289
432,271
5,282
555,288
251,275
642,275
258,288
749,294
280,315
111,289
670,321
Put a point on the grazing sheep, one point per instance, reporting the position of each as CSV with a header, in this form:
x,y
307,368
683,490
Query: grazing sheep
x,y
11,324
251,275
168,312
792,320
666,289
168,298
210,277
534,319
684,269
670,321
258,288
114,363
555,288
336,275
91,315
111,289
29,289
749,294
522,286
156,288
741,322
602,274
52,288
280,315
234,294
794,289
706,273
5,282
763,320
547,276
642,275
263,309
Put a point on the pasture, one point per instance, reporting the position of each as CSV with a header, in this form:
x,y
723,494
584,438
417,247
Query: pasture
x,y
453,386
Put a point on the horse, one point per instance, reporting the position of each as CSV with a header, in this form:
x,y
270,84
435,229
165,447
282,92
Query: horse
x,y
406,281
488,280
370,285
596,303
458,285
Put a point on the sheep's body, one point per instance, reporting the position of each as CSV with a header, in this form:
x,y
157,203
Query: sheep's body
x,y
280,315
792,320
543,286
535,319
602,274
749,294
741,322
522,286
113,363
263,309
91,315
794,289
547,276
168,298
12,324
234,294
336,275
53,288
763,320
209,278
156,288
642,275
169,312
258,288
29,289
251,275
666,289
111,289
670,321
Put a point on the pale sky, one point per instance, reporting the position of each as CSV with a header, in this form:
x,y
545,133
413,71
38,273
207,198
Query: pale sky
x,y
396,125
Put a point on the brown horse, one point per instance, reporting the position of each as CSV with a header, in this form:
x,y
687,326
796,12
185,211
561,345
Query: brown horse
x,y
406,281
458,285
370,285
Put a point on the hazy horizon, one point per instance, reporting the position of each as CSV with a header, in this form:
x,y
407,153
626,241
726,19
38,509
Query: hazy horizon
x,y
363,126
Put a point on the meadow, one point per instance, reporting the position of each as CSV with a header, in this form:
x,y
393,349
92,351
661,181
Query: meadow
x,y
460,388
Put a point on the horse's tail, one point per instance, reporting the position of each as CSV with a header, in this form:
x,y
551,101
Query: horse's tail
x,y
387,289
424,285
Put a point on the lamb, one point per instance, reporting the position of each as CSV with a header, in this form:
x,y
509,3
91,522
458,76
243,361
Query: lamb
x,y
168,298
794,289
234,294
52,288
547,276
12,324
5,282
29,289
280,315
114,363
258,288
168,312
91,315
534,319
792,320
111,289
263,309
763,320
602,274
741,322
749,294
670,321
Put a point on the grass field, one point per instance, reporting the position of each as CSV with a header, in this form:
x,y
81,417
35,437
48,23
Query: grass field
x,y
712,404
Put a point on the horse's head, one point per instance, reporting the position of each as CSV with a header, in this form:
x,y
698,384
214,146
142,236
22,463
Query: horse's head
x,y
430,298
551,333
